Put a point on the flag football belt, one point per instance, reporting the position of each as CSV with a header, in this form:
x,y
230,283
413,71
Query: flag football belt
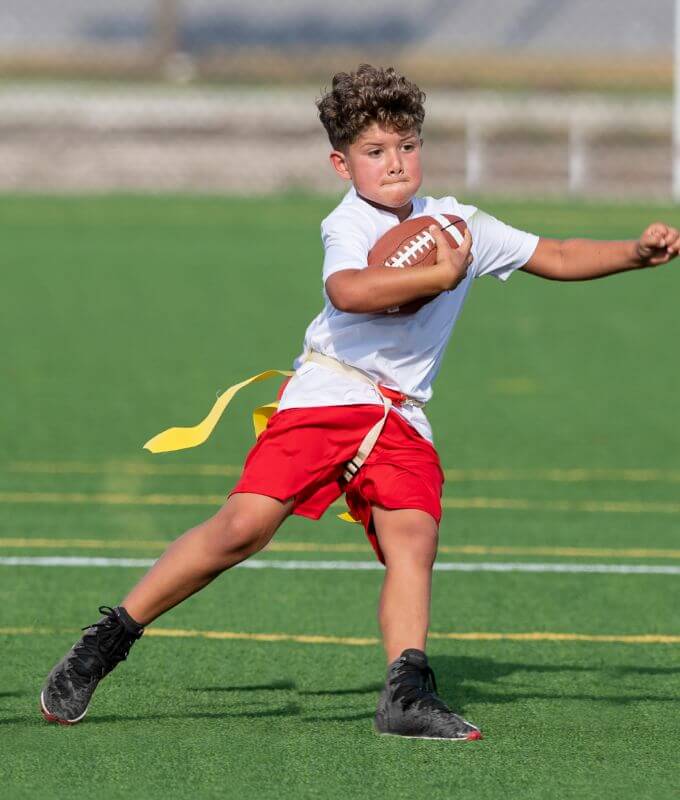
x,y
388,396
182,438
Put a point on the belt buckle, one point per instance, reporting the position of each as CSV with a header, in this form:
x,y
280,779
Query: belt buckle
x,y
396,397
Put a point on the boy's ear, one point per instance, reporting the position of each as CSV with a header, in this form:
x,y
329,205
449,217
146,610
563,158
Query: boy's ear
x,y
339,162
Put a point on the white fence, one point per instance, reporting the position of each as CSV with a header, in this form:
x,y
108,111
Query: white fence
x,y
583,119
71,138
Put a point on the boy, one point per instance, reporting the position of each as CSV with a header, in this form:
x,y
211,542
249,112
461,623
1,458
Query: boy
x,y
362,370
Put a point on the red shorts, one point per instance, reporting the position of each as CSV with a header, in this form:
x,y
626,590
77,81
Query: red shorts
x,y
303,452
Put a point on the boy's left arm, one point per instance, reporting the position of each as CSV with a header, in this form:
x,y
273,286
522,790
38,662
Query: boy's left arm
x,y
585,259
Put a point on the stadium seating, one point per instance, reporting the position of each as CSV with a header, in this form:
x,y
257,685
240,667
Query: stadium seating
x,y
547,26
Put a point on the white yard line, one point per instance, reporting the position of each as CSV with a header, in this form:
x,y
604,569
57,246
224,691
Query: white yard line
x,y
442,566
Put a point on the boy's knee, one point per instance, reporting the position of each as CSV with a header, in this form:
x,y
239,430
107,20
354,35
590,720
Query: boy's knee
x,y
237,533
425,545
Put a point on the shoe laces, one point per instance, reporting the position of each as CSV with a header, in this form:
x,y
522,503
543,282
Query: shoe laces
x,y
105,644
416,685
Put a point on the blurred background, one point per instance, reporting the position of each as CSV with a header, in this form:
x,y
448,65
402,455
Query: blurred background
x,y
525,97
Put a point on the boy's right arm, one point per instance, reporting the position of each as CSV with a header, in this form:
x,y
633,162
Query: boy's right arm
x,y
373,289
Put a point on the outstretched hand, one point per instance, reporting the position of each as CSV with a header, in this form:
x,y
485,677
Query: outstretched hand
x,y
454,263
658,244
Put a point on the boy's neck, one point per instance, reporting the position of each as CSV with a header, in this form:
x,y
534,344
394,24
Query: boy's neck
x,y
401,213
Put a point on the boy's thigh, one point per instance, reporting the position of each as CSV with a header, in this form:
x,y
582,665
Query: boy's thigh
x,y
405,533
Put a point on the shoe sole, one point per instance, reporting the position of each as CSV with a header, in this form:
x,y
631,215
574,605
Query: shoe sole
x,y
471,737
49,717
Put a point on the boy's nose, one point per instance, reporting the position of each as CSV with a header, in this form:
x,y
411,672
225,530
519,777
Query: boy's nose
x,y
395,167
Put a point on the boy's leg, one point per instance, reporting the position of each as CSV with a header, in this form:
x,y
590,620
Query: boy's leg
x,y
408,539
244,525
409,705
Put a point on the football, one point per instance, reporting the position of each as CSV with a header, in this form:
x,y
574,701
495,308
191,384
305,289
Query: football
x,y
410,244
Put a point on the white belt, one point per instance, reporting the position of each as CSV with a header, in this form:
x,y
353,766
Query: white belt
x,y
368,442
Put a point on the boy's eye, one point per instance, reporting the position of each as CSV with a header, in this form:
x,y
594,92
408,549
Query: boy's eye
x,y
409,146
374,152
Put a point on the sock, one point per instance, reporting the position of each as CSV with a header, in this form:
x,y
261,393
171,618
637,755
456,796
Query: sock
x,y
132,625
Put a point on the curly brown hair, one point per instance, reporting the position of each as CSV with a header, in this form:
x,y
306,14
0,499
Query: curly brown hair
x,y
371,94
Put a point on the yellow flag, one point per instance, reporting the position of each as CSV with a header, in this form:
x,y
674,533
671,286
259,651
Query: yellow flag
x,y
183,438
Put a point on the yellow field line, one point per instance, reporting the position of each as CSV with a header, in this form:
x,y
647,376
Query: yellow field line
x,y
575,552
350,547
85,544
589,506
123,468
34,631
575,475
113,498
648,638
180,633
467,503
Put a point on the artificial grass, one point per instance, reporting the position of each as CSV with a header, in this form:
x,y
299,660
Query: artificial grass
x,y
125,314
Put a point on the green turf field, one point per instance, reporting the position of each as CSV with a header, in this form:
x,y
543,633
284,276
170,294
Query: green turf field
x,y
556,417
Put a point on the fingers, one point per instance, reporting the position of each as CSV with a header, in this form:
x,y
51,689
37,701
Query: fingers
x,y
653,235
661,236
439,239
466,245
672,242
442,242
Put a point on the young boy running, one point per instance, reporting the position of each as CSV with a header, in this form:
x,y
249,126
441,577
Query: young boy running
x,y
362,369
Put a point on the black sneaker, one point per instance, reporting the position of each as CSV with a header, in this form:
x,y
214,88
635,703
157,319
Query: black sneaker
x,y
70,685
409,705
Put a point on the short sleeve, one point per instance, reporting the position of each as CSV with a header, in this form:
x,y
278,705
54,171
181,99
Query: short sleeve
x,y
345,245
498,249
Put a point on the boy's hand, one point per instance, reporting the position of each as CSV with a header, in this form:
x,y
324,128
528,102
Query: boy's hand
x,y
658,245
452,263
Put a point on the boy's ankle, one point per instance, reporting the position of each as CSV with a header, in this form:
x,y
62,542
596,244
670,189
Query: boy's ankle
x,y
411,655
131,624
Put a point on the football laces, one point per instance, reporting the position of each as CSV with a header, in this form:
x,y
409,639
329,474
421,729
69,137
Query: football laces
x,y
411,251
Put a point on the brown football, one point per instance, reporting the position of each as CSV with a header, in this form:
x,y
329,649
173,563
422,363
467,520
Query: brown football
x,y
410,244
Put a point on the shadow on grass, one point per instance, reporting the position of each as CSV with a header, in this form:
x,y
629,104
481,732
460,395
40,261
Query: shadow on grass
x,y
463,682
341,717
285,685
35,720
455,673
292,710
373,688
282,685
645,670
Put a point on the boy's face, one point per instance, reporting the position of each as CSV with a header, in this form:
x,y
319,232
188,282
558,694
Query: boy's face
x,y
384,166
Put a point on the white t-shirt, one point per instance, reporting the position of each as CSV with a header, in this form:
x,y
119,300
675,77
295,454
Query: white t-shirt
x,y
402,352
